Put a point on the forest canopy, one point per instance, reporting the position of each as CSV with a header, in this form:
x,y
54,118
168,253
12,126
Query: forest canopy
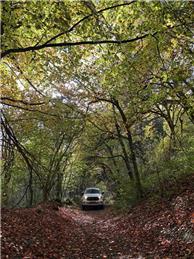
x,y
95,93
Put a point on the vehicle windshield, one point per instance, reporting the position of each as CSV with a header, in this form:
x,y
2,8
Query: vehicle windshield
x,y
92,191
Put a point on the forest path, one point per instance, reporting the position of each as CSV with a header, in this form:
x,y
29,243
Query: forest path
x,y
102,239
150,230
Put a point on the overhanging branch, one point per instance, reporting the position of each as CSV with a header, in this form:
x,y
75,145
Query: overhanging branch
x,y
67,44
4,99
87,17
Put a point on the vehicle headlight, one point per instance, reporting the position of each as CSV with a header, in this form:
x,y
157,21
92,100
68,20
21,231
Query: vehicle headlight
x,y
84,197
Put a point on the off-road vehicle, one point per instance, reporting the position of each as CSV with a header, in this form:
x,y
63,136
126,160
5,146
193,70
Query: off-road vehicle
x,y
92,197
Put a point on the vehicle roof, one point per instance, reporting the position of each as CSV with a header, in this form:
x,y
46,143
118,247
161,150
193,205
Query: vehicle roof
x,y
92,188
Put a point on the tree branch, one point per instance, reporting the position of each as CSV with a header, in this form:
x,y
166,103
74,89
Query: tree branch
x,y
66,44
86,17
19,101
30,110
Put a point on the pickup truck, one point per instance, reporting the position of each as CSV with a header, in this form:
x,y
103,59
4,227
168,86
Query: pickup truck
x,y
92,197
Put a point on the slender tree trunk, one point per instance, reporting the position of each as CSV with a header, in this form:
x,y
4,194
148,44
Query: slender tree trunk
x,y
125,155
59,186
113,159
134,162
9,131
45,196
8,159
132,150
30,189
5,189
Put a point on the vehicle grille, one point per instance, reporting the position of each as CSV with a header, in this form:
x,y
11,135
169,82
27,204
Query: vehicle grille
x,y
92,198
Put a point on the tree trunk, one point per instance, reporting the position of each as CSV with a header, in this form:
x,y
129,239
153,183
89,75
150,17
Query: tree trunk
x,y
125,155
113,158
30,189
59,186
132,150
5,189
45,194
134,162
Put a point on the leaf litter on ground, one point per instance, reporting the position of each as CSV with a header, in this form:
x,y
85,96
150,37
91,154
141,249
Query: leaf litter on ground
x,y
162,230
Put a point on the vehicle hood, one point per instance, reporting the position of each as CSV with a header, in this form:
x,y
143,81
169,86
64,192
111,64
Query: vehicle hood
x,y
92,195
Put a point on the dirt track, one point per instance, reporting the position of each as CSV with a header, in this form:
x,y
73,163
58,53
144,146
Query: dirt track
x,y
98,227
47,231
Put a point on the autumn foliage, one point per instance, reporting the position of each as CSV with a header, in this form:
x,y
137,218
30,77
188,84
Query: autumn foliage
x,y
151,230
